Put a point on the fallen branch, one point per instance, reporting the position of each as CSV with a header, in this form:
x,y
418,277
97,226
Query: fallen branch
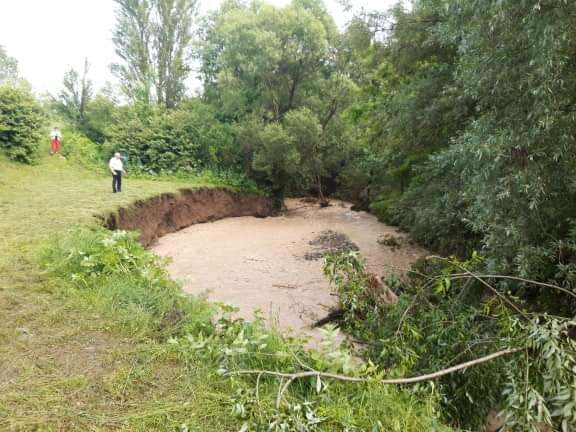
x,y
291,377
285,286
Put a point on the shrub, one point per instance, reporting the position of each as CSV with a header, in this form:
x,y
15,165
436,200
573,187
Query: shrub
x,y
186,139
20,124
113,271
81,149
276,155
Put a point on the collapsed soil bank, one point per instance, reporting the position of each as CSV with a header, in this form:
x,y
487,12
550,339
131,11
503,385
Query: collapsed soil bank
x,y
171,212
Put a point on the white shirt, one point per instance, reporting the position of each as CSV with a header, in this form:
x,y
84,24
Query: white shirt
x,y
116,164
55,134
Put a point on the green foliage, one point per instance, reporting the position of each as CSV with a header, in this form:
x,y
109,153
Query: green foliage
x,y
286,66
21,120
277,156
473,141
111,273
74,98
186,139
153,38
518,168
434,210
100,116
262,60
124,279
79,148
442,319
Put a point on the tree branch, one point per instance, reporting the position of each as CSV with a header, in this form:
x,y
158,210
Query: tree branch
x,y
487,285
517,279
291,377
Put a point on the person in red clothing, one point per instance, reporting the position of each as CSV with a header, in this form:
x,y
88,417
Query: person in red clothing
x,y
55,140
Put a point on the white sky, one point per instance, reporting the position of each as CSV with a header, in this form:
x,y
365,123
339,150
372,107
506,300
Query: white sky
x,y
47,37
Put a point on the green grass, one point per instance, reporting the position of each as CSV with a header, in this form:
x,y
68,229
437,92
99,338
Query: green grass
x,y
96,359
36,201
64,367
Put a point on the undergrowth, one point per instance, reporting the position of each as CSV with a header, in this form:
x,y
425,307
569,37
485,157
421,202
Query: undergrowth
x,y
447,316
111,273
81,150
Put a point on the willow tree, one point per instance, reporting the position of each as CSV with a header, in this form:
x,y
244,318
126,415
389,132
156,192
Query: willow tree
x,y
264,60
263,65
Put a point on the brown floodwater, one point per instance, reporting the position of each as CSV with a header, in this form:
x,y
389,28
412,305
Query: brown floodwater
x,y
259,264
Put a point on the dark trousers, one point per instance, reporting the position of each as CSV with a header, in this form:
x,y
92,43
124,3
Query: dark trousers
x,y
117,181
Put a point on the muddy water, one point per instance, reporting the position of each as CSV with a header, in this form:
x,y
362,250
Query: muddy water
x,y
259,264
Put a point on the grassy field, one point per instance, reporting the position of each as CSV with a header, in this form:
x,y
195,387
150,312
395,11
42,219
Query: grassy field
x,y
63,367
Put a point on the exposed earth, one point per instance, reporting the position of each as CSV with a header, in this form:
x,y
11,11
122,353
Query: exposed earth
x,y
273,264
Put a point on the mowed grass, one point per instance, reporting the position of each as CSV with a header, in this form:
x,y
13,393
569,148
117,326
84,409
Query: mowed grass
x,y
36,201
66,367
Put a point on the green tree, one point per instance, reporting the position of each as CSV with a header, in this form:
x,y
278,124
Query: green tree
x,y
172,48
261,60
100,117
519,167
276,155
75,97
153,38
304,128
263,64
21,120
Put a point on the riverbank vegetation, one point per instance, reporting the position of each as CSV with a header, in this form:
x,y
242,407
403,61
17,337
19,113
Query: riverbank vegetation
x,y
452,119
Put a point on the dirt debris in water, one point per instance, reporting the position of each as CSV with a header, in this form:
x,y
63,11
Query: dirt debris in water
x,y
330,242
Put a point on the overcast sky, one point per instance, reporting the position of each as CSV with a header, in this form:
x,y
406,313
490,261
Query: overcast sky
x,y
47,37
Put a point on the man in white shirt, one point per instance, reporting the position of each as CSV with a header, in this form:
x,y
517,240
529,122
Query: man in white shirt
x,y
55,140
117,169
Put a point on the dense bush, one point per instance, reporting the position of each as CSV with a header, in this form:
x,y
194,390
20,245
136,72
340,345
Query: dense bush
x,y
116,273
446,317
20,124
81,149
468,106
276,155
186,139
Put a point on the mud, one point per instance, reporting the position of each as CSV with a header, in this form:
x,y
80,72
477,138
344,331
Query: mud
x,y
168,213
261,264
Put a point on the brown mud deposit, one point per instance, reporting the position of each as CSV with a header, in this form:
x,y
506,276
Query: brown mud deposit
x,y
262,263
169,213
